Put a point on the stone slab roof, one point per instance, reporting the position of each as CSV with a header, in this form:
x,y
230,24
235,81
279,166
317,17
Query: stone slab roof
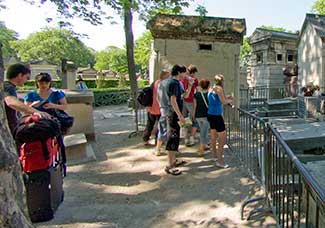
x,y
317,22
195,27
263,34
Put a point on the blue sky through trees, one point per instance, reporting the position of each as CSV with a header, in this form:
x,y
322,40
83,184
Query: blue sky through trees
x,y
25,18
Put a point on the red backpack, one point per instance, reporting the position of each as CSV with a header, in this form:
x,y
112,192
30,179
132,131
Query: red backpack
x,y
37,137
32,154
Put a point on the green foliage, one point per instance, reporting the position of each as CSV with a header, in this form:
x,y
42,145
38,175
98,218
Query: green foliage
x,y
122,82
92,11
6,36
112,58
142,51
319,7
100,79
53,45
201,10
112,83
245,52
279,29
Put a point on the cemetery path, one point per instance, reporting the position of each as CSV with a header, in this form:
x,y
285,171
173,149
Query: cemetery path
x,y
127,186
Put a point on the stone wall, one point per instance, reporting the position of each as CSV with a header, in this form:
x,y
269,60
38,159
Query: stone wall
x,y
222,58
310,58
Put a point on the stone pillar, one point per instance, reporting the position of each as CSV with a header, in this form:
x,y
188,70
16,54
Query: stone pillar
x,y
80,106
68,74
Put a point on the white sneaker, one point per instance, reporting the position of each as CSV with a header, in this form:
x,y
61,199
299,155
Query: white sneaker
x,y
224,166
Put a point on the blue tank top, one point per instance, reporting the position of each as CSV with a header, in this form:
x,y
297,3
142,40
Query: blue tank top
x,y
215,106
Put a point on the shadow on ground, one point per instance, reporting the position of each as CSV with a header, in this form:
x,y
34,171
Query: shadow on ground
x,y
127,187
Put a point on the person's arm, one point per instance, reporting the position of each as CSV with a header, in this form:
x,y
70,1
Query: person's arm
x,y
194,109
62,106
224,100
188,90
59,99
17,105
174,104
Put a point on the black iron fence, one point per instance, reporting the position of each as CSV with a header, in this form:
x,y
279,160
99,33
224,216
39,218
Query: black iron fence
x,y
253,97
291,192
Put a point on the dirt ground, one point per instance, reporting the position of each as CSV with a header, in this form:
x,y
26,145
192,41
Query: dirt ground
x,y
127,186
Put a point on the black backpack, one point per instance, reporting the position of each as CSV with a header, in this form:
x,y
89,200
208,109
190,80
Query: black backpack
x,y
32,128
145,96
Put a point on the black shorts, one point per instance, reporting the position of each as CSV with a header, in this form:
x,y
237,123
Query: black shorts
x,y
217,123
173,131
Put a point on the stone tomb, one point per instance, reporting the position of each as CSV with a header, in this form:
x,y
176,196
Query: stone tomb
x,y
278,107
306,140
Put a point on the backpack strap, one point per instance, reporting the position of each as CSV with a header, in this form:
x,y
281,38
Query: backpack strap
x,y
45,150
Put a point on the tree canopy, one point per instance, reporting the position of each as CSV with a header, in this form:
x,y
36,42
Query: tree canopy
x,y
112,58
142,50
319,7
6,36
245,52
53,45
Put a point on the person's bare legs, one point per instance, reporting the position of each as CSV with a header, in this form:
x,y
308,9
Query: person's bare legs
x,y
201,149
171,158
221,142
158,147
213,136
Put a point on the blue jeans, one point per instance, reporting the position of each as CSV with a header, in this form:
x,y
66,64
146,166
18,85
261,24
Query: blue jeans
x,y
204,130
162,128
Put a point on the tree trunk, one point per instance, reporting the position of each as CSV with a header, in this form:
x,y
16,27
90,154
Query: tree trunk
x,y
13,209
130,56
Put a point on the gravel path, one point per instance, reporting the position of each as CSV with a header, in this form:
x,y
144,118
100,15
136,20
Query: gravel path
x,y
127,187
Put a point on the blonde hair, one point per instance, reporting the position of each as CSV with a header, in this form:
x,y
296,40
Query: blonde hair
x,y
163,73
219,80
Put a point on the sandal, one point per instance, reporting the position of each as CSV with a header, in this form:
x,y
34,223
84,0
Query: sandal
x,y
179,163
172,171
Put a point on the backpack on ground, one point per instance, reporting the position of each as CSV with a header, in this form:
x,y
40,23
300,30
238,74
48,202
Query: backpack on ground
x,y
145,96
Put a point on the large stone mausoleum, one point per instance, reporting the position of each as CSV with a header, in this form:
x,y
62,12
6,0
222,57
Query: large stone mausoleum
x,y
210,43
272,51
311,51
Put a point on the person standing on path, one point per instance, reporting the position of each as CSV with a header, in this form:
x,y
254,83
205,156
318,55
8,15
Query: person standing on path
x,y
200,111
217,98
190,82
174,118
162,98
153,114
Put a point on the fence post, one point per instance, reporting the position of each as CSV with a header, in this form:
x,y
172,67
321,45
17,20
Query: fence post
x,y
268,159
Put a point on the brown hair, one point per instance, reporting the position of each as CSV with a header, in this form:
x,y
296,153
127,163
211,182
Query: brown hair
x,y
42,77
192,69
204,83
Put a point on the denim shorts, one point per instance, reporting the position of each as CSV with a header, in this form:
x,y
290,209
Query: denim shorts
x,y
162,128
204,129
187,109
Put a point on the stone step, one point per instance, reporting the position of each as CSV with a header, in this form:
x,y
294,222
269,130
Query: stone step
x,y
78,150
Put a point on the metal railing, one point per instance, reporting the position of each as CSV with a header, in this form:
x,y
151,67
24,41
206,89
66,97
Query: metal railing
x,y
291,192
253,97
140,116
